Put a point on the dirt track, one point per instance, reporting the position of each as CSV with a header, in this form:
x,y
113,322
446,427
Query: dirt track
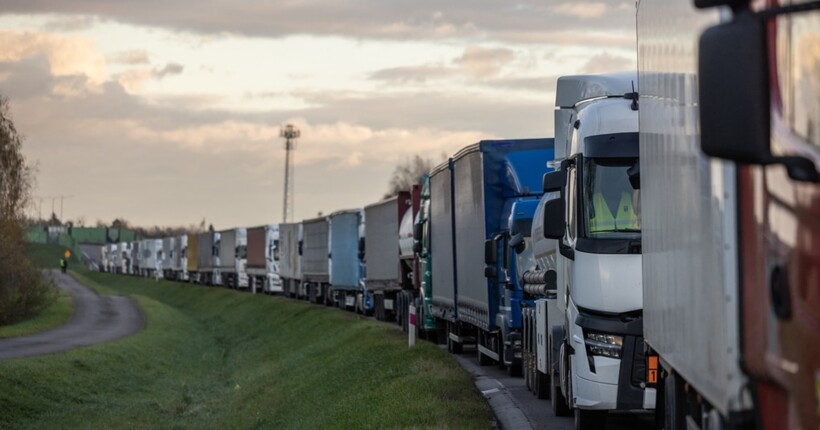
x,y
96,319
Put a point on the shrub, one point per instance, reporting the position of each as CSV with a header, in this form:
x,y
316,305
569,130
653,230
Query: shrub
x,y
24,289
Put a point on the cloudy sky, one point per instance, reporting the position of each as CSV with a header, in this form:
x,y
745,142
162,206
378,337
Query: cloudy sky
x,y
167,112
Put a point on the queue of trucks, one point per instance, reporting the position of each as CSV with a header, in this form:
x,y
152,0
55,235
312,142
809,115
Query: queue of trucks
x,y
660,254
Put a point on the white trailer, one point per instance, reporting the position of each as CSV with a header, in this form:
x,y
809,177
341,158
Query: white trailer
x,y
731,260
150,257
168,257
290,259
233,257
179,258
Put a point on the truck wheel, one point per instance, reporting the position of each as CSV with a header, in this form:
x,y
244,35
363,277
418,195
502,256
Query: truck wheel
x,y
586,419
674,413
560,407
542,382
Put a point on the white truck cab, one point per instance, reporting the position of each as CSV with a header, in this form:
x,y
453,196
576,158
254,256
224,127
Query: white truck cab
x,y
593,211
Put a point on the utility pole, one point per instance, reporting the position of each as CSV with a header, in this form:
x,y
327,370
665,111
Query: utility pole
x,y
61,206
290,133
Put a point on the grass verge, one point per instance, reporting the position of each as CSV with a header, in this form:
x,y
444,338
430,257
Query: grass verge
x,y
51,317
214,358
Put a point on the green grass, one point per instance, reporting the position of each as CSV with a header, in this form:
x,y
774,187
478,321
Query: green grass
x,y
214,358
53,316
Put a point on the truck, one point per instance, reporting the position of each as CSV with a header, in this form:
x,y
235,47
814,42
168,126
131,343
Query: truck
x,y
150,260
263,259
315,252
409,260
596,350
345,260
290,268
192,258
122,259
422,277
496,186
179,257
208,258
132,260
381,254
167,257
731,204
233,257
440,242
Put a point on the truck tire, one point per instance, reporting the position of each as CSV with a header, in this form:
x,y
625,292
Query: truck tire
x,y
674,400
560,407
586,419
541,383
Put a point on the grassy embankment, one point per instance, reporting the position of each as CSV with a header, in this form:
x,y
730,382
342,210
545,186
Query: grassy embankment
x,y
214,358
46,257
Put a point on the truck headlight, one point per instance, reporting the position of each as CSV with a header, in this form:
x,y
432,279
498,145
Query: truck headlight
x,y
606,345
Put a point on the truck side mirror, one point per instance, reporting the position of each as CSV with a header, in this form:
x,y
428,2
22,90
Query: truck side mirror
x,y
417,246
490,252
490,272
554,181
554,223
733,75
418,231
517,243
300,247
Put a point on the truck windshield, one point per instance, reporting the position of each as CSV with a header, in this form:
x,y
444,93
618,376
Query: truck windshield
x,y
611,206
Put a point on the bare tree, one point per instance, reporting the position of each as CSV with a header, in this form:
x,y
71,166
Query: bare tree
x,y
407,173
24,290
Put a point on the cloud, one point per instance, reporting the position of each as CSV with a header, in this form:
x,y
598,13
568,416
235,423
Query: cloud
x,y
476,62
70,23
527,21
66,56
605,62
412,74
169,69
131,58
582,10
485,62
134,80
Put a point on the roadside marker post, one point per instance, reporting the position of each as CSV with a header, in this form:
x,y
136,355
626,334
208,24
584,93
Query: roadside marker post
x,y
411,327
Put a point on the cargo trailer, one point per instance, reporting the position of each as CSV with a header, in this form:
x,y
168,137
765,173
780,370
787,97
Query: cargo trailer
x,y
315,254
150,259
263,258
179,260
208,258
167,257
233,257
290,267
381,253
442,250
731,203
192,258
345,259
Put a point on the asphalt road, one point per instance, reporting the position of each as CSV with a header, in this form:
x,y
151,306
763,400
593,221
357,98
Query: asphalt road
x,y
96,319
516,407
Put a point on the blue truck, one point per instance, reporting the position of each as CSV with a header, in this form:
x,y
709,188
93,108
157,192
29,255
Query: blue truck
x,y
494,188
